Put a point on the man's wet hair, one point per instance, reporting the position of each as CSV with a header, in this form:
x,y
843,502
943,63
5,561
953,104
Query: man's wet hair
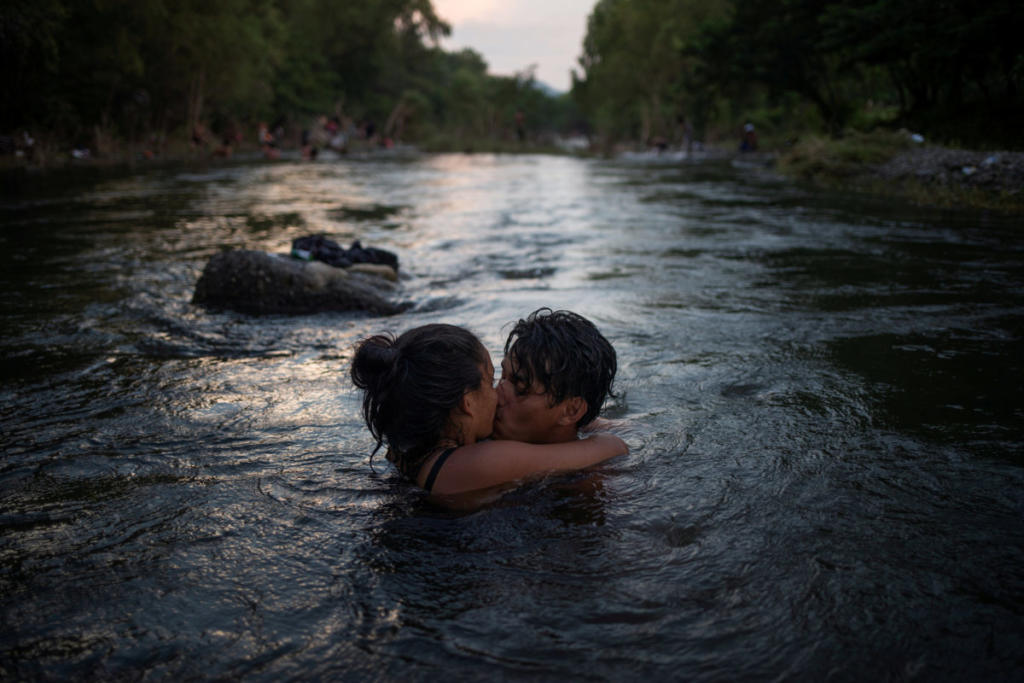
x,y
565,355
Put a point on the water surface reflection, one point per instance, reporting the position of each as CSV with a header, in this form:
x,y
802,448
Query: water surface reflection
x,y
826,476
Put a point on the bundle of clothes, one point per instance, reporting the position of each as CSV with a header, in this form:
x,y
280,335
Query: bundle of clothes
x,y
319,248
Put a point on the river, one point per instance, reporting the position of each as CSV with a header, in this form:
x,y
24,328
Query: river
x,y
825,392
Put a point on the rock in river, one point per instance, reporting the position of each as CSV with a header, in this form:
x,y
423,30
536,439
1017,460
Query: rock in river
x,y
256,282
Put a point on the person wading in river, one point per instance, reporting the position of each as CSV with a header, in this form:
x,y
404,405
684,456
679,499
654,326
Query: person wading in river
x,y
557,371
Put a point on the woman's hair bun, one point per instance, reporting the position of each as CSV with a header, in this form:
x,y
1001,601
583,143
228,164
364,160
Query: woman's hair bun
x,y
374,360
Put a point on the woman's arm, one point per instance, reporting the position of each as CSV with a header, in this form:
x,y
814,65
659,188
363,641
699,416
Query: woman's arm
x,y
490,463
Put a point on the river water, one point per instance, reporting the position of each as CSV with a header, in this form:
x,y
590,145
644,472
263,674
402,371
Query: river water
x,y
825,395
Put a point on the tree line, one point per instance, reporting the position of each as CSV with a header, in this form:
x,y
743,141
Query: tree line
x,y
82,70
950,68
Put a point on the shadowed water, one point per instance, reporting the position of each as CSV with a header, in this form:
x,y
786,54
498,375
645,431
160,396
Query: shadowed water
x,y
826,476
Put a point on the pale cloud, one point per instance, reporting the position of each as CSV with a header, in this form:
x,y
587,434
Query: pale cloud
x,y
514,34
460,11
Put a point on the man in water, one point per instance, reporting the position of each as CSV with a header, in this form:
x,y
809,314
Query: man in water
x,y
557,371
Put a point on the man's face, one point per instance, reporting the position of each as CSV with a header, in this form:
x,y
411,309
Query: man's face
x,y
525,413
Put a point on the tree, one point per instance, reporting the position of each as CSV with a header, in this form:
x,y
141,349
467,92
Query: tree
x,y
639,66
95,70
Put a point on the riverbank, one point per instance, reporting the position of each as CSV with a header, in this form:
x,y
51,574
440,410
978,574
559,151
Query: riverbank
x,y
894,164
50,158
902,165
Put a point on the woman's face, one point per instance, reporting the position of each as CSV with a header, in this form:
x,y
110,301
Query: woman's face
x,y
484,401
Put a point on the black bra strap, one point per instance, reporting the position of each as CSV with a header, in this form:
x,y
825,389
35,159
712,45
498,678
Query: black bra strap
x,y
429,484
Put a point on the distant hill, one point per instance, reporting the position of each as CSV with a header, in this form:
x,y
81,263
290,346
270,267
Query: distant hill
x,y
547,89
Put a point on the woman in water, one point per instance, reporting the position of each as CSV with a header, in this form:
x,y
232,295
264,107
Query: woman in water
x,y
429,394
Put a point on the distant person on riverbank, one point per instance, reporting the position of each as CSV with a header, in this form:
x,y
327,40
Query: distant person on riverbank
x,y
309,150
748,141
557,372
337,138
24,145
199,137
229,136
659,143
225,149
370,131
687,130
268,143
429,395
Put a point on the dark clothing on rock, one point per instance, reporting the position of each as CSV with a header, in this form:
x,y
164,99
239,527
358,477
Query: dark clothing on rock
x,y
319,248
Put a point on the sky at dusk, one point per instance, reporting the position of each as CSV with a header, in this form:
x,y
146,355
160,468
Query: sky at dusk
x,y
513,34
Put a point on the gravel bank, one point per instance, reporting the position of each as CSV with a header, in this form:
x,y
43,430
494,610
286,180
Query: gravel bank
x,y
999,172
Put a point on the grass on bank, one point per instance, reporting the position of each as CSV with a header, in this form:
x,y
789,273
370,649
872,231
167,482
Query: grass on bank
x,y
851,162
827,160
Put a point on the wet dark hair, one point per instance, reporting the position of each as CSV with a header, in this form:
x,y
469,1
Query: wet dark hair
x,y
411,385
566,355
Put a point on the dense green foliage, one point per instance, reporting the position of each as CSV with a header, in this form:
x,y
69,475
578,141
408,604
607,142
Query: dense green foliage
x,y
953,69
640,69
85,71
94,71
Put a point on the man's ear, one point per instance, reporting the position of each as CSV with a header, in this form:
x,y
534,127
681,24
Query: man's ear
x,y
573,410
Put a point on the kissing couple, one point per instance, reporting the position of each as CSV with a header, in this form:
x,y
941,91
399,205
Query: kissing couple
x,y
430,395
